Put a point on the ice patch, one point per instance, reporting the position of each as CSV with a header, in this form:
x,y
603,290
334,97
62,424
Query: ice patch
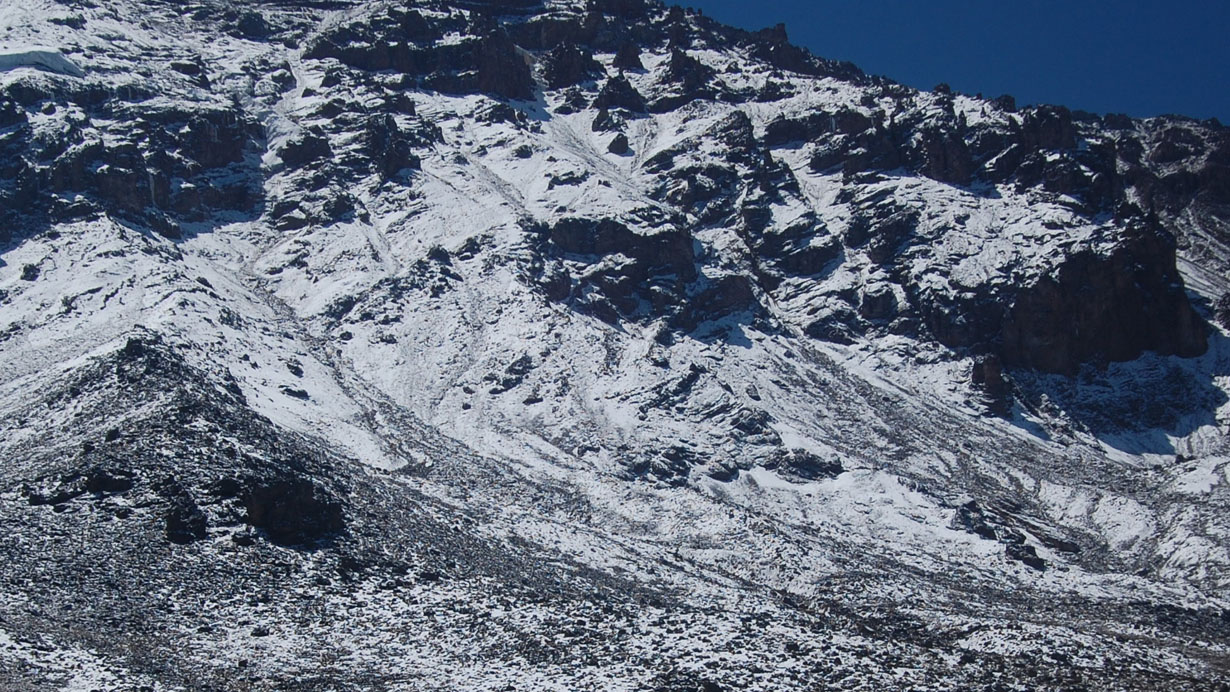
x,y
46,59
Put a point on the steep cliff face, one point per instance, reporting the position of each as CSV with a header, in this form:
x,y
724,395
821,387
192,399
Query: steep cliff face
x,y
555,344
1112,308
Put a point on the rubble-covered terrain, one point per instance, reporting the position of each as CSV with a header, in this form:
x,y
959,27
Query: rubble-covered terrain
x,y
591,344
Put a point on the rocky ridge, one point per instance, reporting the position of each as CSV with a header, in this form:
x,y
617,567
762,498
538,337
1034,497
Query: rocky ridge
x,y
591,343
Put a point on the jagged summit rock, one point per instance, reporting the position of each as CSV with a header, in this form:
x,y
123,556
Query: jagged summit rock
x,y
572,344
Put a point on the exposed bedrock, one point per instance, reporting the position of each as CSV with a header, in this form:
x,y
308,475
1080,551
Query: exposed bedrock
x,y
1110,308
1092,308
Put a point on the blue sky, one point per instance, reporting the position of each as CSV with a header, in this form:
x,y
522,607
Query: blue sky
x,y
1128,56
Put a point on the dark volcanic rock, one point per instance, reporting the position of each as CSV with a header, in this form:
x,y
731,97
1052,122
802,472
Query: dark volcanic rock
x,y
185,522
304,149
11,113
567,65
1111,308
606,121
389,148
252,24
881,229
1222,311
501,69
692,80
727,295
293,511
947,158
628,57
971,517
806,465
1025,554
660,265
618,92
878,303
619,145
988,375
148,162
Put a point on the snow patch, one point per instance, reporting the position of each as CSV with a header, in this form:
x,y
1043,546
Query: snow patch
x,y
46,59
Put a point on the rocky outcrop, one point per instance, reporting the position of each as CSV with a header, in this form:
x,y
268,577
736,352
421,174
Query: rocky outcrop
x,y
292,511
152,163
305,149
1104,308
567,65
11,113
690,80
389,149
618,92
882,227
628,57
185,522
947,158
501,70
649,279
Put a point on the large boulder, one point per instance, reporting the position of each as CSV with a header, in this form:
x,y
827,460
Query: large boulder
x,y
293,510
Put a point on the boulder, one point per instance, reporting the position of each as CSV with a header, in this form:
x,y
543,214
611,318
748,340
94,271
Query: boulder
x,y
1048,127
252,25
293,510
619,145
987,374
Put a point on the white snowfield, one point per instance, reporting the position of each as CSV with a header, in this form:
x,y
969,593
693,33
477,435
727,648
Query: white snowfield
x,y
46,59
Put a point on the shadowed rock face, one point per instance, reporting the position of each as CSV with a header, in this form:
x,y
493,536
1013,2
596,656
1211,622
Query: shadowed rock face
x,y
501,70
1105,308
650,270
153,164
1092,308
292,511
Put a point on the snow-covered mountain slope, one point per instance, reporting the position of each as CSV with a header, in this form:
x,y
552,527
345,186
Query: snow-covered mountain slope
x,y
564,345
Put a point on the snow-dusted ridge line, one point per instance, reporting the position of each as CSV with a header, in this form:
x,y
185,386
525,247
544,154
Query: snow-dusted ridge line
x,y
356,391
